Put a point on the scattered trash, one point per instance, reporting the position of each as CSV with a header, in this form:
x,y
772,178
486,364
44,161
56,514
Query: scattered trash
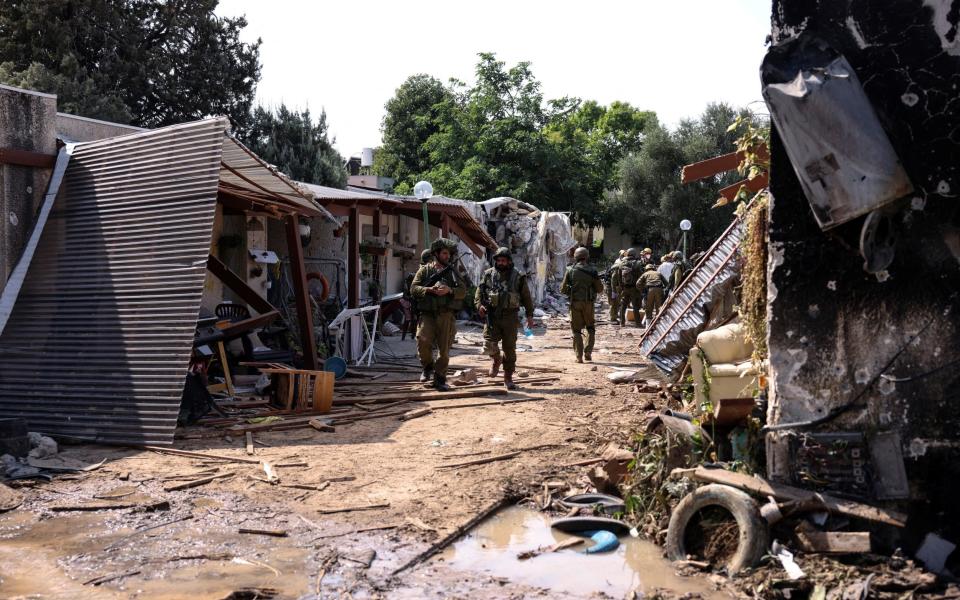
x,y
622,376
933,552
41,446
786,559
604,541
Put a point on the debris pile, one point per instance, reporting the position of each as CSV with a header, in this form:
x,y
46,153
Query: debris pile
x,y
539,242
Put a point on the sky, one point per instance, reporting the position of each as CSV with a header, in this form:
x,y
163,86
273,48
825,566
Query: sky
x,y
348,58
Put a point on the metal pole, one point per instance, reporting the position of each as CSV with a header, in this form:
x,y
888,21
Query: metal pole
x,y
684,245
426,225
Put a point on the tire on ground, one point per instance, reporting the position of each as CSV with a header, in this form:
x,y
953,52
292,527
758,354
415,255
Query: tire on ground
x,y
753,534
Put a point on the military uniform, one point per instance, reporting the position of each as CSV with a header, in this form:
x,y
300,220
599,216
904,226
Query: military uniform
x,y
630,297
581,284
437,321
613,292
652,285
502,294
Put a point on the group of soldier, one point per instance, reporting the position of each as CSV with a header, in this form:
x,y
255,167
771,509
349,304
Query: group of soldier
x,y
439,292
634,281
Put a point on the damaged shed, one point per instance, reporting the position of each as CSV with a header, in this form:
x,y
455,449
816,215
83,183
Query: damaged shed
x,y
102,328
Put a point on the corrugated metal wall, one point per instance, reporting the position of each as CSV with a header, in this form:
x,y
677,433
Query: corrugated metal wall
x,y
702,301
99,341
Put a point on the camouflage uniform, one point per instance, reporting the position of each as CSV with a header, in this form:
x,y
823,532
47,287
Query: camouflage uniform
x,y
503,294
652,285
630,297
581,284
438,324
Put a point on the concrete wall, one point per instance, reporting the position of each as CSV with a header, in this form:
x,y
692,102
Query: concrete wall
x,y
73,128
27,122
883,349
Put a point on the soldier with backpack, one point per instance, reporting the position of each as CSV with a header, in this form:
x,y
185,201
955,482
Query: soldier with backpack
x,y
630,297
581,284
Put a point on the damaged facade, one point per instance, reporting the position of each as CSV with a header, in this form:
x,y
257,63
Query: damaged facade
x,y
858,351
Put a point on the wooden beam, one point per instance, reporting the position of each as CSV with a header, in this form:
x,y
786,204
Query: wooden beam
x,y
27,158
763,488
752,186
353,259
476,248
376,223
445,225
240,327
298,273
716,165
238,285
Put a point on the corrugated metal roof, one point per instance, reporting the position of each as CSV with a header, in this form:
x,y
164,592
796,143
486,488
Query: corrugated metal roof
x,y
701,297
245,171
99,340
322,192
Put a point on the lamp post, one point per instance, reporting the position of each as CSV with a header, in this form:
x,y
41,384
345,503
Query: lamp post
x,y
423,192
685,226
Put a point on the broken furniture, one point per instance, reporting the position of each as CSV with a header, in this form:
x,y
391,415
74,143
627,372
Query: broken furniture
x,y
300,389
722,356
353,322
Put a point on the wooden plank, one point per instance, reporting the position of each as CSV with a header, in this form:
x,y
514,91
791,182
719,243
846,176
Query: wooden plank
x,y
237,284
452,395
240,327
27,158
752,186
832,542
764,488
421,412
249,440
716,165
301,293
221,351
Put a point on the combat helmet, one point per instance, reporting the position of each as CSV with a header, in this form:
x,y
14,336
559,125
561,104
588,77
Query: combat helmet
x,y
632,253
649,267
443,244
502,252
425,256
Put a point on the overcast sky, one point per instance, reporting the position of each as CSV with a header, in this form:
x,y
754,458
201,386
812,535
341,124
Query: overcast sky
x,y
671,56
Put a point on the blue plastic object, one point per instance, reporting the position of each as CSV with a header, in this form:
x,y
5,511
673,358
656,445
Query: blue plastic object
x,y
335,365
604,541
527,332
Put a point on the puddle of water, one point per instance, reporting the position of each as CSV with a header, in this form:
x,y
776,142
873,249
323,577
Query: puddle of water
x,y
636,564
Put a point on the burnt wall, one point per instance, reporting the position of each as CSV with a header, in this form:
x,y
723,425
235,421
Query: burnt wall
x,y
879,351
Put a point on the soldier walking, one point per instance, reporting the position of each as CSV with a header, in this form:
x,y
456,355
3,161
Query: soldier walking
x,y
629,273
502,291
612,284
581,284
439,291
651,284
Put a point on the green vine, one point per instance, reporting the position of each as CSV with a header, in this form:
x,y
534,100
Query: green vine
x,y
753,143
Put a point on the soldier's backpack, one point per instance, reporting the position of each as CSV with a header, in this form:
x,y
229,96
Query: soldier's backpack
x,y
629,273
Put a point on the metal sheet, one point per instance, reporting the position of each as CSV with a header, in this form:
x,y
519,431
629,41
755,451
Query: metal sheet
x,y
99,341
702,299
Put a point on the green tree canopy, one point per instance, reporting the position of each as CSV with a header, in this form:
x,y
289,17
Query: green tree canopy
x,y
296,145
651,201
146,62
501,137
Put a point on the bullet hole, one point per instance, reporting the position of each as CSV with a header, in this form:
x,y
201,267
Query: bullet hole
x,y
918,203
886,386
883,276
943,187
861,375
14,219
910,99
832,285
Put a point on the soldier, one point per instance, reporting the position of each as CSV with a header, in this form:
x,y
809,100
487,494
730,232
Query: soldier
x,y
646,257
411,314
630,270
679,271
613,292
439,291
651,284
502,291
581,284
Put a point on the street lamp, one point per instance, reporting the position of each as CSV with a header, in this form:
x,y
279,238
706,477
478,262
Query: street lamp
x,y
685,226
423,192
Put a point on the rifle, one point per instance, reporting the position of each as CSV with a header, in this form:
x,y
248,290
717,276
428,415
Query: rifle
x,y
439,275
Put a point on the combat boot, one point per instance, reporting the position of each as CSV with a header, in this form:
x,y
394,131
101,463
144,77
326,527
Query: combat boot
x,y
440,384
508,380
495,367
427,375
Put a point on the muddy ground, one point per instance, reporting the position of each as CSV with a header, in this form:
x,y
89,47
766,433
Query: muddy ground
x,y
191,546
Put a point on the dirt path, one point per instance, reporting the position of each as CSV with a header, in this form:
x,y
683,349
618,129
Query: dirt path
x,y
194,547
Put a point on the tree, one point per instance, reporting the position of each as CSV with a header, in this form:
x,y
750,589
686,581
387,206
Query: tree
x,y
291,141
412,116
500,137
146,62
651,201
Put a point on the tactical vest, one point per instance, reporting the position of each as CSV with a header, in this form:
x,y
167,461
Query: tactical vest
x,y
580,280
630,271
431,304
502,295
